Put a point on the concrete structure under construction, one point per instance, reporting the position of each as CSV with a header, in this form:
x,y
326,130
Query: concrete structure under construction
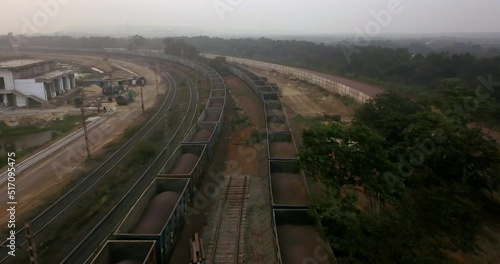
x,y
29,83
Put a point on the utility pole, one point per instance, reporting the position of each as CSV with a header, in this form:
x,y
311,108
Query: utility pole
x,y
142,100
85,129
336,88
31,244
156,78
85,133
165,116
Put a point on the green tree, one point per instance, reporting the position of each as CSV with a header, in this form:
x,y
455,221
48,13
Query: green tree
x,y
342,155
179,47
433,208
135,42
388,114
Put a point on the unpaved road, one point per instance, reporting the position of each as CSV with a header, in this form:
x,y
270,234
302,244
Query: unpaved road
x,y
48,179
304,98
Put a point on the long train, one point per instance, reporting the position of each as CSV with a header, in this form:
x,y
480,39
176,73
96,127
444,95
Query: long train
x,y
147,235
143,236
297,236
296,233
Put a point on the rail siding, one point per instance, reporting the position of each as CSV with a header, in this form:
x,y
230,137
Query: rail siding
x,y
227,241
34,159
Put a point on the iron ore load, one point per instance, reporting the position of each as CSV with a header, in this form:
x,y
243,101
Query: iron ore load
x,y
127,252
187,162
156,215
298,239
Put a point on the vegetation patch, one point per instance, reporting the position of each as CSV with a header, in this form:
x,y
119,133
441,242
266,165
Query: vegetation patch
x,y
62,125
256,136
346,100
403,180
131,131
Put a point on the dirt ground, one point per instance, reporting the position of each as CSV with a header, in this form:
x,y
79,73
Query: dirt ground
x,y
259,238
31,116
46,180
305,99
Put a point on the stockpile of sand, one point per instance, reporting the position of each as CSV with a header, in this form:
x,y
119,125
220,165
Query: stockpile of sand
x,y
288,188
184,164
157,213
202,135
282,150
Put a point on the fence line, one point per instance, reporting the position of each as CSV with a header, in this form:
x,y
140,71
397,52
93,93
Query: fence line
x,y
327,84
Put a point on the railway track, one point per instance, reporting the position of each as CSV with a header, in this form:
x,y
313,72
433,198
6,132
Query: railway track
x,y
59,207
227,242
55,147
83,250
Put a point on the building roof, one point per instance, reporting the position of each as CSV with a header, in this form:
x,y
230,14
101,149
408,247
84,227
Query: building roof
x,y
52,75
14,64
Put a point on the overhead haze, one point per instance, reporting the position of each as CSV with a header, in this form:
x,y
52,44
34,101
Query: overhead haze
x,y
216,17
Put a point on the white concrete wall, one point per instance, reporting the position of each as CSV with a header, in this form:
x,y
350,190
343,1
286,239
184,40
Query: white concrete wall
x,y
21,101
68,83
61,85
30,87
8,78
4,100
327,84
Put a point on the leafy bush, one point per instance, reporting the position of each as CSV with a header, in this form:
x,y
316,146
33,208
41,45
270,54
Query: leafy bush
x,y
256,136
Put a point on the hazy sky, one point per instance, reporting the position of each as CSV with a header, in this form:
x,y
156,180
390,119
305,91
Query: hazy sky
x,y
254,16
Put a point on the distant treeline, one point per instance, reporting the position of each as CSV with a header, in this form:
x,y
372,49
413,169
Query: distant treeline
x,y
388,67
395,66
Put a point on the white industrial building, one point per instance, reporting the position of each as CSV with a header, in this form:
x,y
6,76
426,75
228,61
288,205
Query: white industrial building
x,y
29,83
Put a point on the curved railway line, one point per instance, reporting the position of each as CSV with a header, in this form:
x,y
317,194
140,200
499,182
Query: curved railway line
x,y
30,161
227,243
99,233
42,221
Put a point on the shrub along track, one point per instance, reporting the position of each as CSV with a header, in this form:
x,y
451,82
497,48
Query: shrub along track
x,y
49,223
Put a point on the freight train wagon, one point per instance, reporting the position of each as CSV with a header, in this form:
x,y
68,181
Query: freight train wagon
x,y
127,252
296,231
188,162
158,215
299,240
